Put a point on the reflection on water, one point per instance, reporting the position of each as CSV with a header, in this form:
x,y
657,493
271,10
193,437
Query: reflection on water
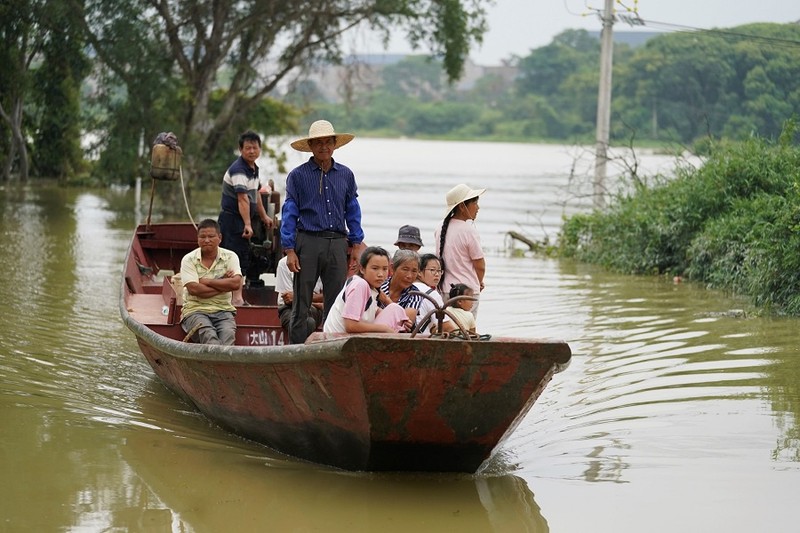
x,y
252,490
674,393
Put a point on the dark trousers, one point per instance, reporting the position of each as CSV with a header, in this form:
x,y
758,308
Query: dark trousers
x,y
314,319
231,226
319,257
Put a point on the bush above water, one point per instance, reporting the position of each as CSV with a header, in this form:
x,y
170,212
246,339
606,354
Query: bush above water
x,y
732,224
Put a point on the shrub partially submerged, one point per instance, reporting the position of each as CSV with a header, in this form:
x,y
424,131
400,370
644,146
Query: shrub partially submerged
x,y
732,224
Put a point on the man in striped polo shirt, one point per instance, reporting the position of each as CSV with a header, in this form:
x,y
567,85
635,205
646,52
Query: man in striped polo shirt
x,y
320,218
241,202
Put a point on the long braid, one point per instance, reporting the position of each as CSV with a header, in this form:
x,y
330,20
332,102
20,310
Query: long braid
x,y
442,237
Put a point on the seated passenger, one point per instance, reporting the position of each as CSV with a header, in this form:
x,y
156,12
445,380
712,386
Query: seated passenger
x,y
210,275
284,280
398,288
462,309
408,239
356,307
430,272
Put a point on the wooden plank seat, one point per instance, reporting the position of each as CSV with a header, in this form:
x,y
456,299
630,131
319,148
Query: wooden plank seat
x,y
147,308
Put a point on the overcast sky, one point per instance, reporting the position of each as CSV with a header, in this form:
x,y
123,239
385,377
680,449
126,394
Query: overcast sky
x,y
517,26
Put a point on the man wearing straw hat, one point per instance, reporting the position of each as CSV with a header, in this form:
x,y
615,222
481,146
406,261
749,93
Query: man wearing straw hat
x,y
321,217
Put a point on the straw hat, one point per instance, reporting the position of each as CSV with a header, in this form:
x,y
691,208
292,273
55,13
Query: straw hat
x,y
321,129
461,193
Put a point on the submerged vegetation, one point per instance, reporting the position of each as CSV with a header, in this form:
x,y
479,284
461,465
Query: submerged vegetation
x,y
733,224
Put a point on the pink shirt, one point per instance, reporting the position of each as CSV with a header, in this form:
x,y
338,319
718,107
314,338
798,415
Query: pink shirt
x,y
462,246
351,303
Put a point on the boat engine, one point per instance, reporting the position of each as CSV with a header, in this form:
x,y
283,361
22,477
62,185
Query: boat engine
x,y
265,252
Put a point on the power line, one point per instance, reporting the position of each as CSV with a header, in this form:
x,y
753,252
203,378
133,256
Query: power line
x,y
776,41
631,17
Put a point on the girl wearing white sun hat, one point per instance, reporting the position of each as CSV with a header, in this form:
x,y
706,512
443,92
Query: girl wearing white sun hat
x,y
459,244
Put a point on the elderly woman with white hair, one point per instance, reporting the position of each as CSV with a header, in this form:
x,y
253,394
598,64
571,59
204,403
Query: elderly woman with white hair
x,y
399,286
459,244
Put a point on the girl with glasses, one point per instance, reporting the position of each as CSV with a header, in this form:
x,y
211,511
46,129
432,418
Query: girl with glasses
x,y
430,273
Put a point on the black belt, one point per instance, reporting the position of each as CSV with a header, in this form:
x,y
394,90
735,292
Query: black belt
x,y
324,234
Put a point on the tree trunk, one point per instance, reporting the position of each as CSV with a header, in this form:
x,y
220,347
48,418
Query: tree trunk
x,y
14,120
8,162
19,140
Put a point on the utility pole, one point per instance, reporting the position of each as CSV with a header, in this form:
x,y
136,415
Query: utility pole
x,y
604,104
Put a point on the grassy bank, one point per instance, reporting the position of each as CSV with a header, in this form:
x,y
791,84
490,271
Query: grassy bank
x,y
733,224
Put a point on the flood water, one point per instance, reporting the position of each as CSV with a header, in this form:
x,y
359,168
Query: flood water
x,y
678,412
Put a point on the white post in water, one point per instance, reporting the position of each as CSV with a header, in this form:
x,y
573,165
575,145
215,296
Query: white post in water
x,y
604,104
138,199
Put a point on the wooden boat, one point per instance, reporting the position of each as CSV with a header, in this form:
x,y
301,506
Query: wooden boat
x,y
359,402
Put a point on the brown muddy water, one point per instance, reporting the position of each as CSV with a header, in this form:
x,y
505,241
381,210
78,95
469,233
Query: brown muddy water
x,y
679,411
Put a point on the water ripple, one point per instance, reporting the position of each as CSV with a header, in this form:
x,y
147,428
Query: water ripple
x,y
644,368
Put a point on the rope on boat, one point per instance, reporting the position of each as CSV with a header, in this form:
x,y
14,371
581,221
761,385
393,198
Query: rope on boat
x,y
192,332
165,164
186,200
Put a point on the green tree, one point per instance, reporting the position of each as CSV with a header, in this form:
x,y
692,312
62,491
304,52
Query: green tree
x,y
530,116
681,87
489,90
735,82
20,42
57,139
545,69
439,118
153,46
565,73
685,79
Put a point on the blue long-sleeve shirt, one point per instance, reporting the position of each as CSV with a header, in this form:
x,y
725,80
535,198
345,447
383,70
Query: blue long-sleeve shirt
x,y
317,201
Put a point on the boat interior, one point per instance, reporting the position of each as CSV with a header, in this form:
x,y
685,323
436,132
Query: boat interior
x,y
152,295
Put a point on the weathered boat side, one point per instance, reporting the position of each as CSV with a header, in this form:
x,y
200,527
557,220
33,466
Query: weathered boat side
x,y
280,398
448,404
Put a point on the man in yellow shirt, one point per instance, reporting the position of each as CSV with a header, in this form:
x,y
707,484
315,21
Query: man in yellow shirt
x,y
210,275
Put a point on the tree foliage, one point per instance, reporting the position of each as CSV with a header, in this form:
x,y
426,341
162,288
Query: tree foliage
x,y
206,71
545,70
57,82
43,60
680,87
21,42
203,69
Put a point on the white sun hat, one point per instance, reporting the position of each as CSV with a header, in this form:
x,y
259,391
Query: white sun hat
x,y
461,193
321,129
